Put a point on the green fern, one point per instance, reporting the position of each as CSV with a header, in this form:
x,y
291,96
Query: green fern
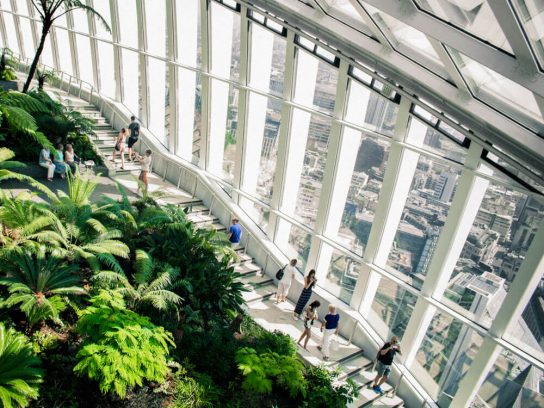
x,y
19,369
123,349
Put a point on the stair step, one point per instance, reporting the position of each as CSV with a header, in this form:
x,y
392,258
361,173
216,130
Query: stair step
x,y
199,208
198,218
259,293
256,280
215,225
247,268
353,365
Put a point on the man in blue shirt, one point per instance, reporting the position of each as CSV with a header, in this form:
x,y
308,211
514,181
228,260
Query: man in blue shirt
x,y
235,233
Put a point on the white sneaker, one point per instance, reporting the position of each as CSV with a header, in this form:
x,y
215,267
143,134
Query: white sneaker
x,y
295,318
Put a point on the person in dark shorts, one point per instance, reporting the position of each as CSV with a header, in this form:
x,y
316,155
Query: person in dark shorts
x,y
134,128
385,359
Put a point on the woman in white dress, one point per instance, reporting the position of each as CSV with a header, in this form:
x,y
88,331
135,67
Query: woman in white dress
x,y
285,282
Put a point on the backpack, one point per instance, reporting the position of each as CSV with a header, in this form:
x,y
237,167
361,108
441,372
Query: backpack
x,y
280,273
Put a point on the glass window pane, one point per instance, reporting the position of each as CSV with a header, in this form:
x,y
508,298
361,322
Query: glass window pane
x,y
197,125
260,215
186,103
474,17
131,80
269,151
297,246
441,145
13,44
225,42
391,309
342,273
28,39
103,8
47,53
511,382
499,91
156,93
63,45
445,355
81,22
231,143
313,168
188,34
531,14
364,189
503,229
106,69
155,26
129,26
84,58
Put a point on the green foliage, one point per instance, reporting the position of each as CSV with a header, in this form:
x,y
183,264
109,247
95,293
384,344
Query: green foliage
x,y
262,371
262,340
44,340
199,392
19,369
36,283
122,348
324,392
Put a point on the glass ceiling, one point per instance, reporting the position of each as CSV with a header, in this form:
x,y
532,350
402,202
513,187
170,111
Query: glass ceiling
x,y
493,50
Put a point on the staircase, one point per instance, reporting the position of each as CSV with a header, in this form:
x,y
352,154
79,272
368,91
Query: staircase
x,y
350,360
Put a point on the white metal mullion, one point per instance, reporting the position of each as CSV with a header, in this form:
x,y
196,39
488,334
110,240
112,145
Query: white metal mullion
x,y
171,54
450,66
18,30
73,44
519,294
33,26
243,96
318,254
94,47
365,289
3,30
54,47
142,63
117,58
284,133
513,31
469,194
205,11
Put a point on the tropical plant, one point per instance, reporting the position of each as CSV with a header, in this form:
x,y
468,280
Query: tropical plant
x,y
323,389
122,348
37,283
17,112
49,11
19,369
262,371
190,392
42,75
6,66
152,284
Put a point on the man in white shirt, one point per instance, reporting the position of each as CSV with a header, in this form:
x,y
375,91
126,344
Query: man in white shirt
x,y
145,161
285,282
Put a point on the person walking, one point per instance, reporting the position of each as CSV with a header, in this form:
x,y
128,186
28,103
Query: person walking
x,y
145,161
309,282
385,359
331,327
134,128
235,233
120,147
285,281
309,316
45,161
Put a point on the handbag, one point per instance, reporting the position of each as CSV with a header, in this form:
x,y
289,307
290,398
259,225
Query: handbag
x,y
117,147
335,344
280,273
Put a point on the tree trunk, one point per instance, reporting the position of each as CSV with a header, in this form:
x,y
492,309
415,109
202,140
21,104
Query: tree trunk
x,y
45,31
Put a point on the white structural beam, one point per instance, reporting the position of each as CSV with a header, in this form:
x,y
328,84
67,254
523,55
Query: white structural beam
x,y
371,24
171,55
117,57
94,48
205,82
451,68
142,63
519,294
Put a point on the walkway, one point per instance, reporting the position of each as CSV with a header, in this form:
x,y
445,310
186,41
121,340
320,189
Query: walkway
x,y
351,361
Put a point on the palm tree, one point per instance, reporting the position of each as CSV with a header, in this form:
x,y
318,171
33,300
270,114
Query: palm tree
x,y
37,282
49,11
152,284
19,369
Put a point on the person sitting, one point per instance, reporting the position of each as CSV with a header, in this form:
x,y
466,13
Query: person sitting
x,y
71,158
45,161
58,160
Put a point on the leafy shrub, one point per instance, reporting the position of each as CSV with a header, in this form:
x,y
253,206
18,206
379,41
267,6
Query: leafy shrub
x,y
263,371
322,392
197,392
122,348
19,371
